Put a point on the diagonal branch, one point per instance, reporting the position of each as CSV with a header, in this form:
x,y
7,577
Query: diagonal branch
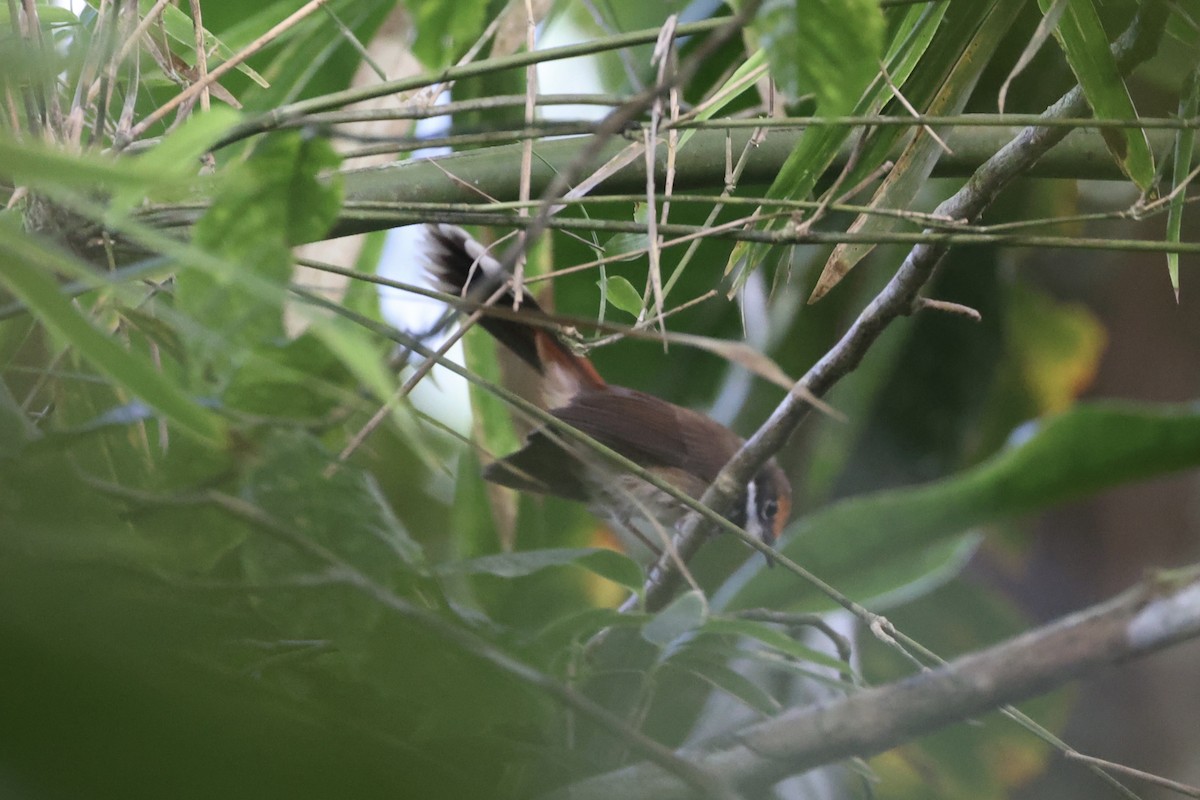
x,y
1136,623
898,298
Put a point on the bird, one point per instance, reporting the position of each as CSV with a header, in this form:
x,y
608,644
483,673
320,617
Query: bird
x,y
685,448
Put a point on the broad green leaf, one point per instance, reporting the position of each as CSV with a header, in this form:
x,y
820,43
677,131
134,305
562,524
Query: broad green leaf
x,y
1185,143
357,351
176,156
280,197
179,151
840,42
631,244
581,626
852,544
685,613
1083,39
620,293
607,563
442,36
266,386
27,269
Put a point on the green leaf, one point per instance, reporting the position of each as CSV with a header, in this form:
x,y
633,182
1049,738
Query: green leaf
x,y
1185,143
48,15
606,563
830,48
177,157
620,293
910,175
628,246
685,613
731,682
1082,37
820,143
280,197
854,544
775,639
357,351
27,269
563,633
38,166
442,35
743,80
180,29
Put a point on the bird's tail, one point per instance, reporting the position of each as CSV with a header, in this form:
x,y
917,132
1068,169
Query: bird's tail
x,y
461,265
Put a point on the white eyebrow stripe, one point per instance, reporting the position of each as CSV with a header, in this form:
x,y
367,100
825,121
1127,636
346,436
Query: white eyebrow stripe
x,y
753,524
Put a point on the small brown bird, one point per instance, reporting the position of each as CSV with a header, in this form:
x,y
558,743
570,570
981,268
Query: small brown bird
x,y
682,447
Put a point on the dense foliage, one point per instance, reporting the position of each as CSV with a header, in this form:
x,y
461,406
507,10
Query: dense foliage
x,y
220,576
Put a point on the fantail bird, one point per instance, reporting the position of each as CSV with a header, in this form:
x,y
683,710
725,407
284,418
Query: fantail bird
x,y
683,447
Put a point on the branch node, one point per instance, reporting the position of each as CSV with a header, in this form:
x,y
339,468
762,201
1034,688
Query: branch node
x,y
882,628
923,303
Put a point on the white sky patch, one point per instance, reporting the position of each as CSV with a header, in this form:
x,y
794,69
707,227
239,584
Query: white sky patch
x,y
568,76
444,394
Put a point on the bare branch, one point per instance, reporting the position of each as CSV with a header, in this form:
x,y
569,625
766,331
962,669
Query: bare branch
x,y
1136,623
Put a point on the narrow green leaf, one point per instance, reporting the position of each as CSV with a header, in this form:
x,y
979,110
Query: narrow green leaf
x,y
36,165
26,269
854,544
775,639
741,81
1185,143
820,144
1083,39
910,174
179,28
606,563
731,682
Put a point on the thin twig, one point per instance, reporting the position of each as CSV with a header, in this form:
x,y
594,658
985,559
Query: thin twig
x,y
201,85
1149,777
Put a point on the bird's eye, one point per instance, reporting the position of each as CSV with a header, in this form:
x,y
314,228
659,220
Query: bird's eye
x,y
770,508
